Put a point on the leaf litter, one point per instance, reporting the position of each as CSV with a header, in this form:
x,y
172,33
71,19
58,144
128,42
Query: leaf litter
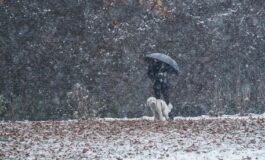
x,y
199,138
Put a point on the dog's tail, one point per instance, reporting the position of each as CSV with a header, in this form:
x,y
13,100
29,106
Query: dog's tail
x,y
170,106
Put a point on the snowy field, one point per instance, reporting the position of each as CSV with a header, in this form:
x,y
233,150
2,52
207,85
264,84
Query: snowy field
x,y
199,138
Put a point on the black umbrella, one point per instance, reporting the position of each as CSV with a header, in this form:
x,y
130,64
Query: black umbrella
x,y
165,59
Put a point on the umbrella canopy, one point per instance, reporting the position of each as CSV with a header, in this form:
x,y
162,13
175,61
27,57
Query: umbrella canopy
x,y
165,59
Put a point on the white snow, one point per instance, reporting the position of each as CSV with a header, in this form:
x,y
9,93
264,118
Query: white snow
x,y
191,138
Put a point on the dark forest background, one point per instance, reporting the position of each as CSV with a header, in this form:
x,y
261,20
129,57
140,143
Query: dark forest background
x,y
84,58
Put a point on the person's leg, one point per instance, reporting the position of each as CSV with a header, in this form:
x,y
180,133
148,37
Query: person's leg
x,y
165,92
157,90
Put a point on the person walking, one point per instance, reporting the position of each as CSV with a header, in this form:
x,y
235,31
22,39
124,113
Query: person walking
x,y
159,68
158,73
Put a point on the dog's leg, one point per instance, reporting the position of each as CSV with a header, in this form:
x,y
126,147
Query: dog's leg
x,y
153,109
156,109
160,116
166,110
165,113
160,111
156,116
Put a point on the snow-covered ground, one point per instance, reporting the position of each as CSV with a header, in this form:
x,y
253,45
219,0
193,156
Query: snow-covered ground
x,y
199,138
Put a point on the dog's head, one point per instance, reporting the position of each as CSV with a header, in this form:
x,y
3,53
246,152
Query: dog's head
x,y
150,100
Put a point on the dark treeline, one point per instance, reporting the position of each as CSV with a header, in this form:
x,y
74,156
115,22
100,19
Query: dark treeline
x,y
83,58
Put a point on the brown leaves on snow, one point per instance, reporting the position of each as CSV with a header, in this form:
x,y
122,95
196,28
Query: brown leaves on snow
x,y
79,139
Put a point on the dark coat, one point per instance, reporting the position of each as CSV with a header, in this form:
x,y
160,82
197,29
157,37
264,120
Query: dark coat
x,y
158,73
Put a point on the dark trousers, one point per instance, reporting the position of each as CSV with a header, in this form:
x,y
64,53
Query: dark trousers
x,y
161,89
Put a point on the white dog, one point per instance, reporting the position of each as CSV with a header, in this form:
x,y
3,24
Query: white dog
x,y
159,108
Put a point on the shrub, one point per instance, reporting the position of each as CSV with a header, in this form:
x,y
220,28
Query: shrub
x,y
83,103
